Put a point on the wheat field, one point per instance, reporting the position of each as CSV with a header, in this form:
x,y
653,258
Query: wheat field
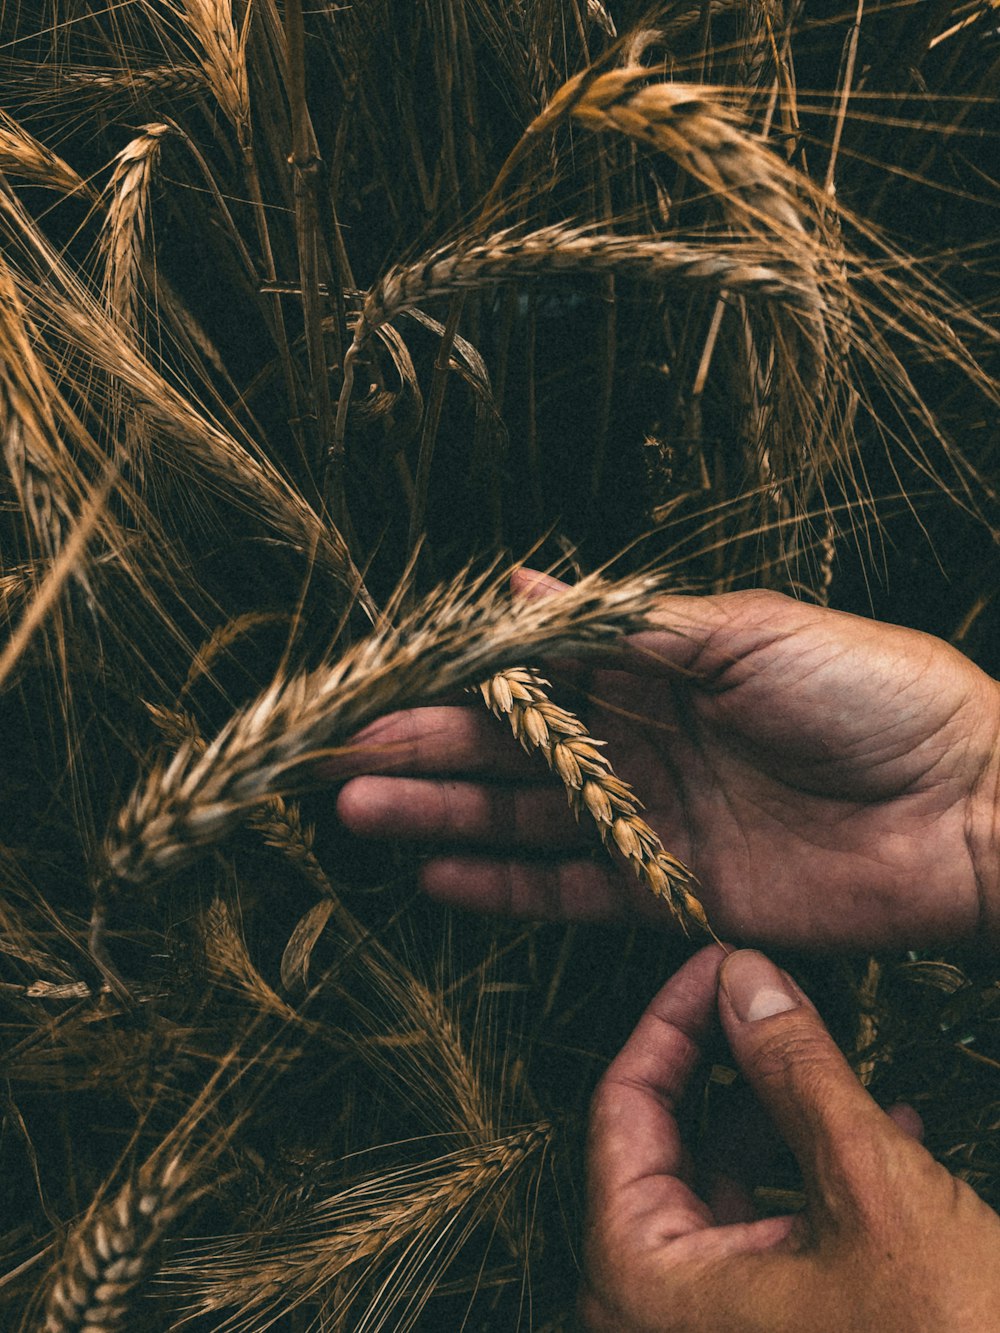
x,y
314,323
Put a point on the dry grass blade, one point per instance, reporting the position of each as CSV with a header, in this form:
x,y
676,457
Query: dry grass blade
x,y
459,635
111,1254
592,787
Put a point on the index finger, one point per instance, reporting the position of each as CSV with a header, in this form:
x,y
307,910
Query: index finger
x,y
636,1160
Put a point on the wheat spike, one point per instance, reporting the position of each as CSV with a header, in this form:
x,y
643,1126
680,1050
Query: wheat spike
x,y
44,475
408,1211
279,822
223,56
459,635
754,270
229,960
111,1254
592,787
124,232
23,157
138,83
181,428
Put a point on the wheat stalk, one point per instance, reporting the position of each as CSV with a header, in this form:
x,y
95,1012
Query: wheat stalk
x,y
592,787
112,1253
459,635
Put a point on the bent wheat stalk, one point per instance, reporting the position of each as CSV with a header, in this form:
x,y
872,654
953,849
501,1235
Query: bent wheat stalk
x,y
399,1219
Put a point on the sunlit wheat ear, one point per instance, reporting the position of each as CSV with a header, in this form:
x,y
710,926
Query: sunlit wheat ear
x,y
124,233
111,1255
402,1227
592,788
748,268
22,157
461,633
223,56
43,472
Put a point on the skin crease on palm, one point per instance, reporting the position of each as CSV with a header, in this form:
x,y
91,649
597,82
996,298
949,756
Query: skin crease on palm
x,y
833,781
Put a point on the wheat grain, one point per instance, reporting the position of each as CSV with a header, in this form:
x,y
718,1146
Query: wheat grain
x,y
592,787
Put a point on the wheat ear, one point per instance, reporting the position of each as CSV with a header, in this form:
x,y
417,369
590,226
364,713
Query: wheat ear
x,y
124,231
279,823
753,269
592,787
396,1218
111,1254
223,57
22,156
459,635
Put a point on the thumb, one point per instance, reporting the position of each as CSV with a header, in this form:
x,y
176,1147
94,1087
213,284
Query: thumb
x,y
840,1137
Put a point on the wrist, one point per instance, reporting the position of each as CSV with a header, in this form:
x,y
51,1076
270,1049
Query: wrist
x,y
984,831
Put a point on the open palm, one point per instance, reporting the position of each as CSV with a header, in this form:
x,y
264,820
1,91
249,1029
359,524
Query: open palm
x,y
831,780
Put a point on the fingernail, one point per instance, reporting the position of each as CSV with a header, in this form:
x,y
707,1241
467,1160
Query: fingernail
x,y
755,987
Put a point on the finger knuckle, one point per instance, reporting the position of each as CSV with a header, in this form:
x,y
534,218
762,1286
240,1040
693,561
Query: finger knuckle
x,y
792,1049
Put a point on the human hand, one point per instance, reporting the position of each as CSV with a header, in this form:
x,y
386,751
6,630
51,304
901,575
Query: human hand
x,y
831,780
888,1239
